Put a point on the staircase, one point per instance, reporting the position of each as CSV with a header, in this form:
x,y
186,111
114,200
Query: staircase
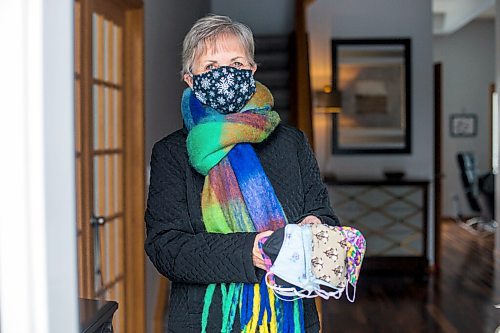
x,y
273,57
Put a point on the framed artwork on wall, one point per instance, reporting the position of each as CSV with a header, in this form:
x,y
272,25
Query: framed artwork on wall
x,y
374,76
463,125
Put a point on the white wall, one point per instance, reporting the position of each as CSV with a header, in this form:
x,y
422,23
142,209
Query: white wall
x,y
328,19
38,273
264,17
166,23
468,58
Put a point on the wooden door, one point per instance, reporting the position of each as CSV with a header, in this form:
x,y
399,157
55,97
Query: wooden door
x,y
110,156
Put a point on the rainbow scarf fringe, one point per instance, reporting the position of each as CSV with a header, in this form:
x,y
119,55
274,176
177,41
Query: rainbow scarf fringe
x,y
238,197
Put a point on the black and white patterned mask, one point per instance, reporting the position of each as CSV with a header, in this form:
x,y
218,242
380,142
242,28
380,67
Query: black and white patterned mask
x,y
225,89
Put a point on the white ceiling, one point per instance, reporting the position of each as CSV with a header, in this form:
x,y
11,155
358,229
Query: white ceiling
x,y
451,15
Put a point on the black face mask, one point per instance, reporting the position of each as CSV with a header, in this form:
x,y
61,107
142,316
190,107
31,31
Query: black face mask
x,y
225,89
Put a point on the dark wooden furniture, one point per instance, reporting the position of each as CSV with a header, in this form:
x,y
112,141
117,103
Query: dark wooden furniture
x,y
391,214
96,316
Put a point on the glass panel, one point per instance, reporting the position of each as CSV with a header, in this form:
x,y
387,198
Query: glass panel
x,y
115,119
111,184
119,182
105,125
119,119
115,54
115,183
95,46
119,56
101,119
99,183
107,191
97,208
111,126
116,250
105,50
95,115
121,248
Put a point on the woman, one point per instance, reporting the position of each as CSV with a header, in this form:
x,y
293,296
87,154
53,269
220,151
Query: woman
x,y
227,179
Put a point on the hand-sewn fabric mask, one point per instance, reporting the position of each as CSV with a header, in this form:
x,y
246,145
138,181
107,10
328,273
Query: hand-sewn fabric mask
x,y
293,264
329,256
317,260
225,89
337,255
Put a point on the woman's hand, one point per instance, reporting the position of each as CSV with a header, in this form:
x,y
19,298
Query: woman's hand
x,y
258,261
310,219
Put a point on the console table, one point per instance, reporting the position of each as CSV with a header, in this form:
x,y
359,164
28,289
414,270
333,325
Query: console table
x,y
391,214
96,315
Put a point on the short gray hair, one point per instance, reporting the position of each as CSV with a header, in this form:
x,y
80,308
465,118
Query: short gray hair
x,y
206,31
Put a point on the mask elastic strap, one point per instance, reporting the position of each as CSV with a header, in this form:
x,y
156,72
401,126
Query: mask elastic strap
x,y
353,293
281,292
337,294
306,293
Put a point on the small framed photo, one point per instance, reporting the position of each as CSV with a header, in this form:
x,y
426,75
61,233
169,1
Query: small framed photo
x,y
463,125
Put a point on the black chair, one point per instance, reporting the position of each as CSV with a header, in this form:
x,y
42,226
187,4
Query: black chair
x,y
479,191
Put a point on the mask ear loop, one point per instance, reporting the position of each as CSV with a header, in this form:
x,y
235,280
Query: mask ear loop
x,y
281,292
353,294
337,293
326,295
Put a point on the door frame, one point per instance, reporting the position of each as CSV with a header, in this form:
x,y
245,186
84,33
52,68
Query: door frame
x,y
135,168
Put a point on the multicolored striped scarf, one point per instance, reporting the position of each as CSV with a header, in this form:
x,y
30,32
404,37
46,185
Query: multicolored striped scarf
x,y
238,197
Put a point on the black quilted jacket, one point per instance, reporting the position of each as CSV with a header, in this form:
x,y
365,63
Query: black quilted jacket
x,y
181,249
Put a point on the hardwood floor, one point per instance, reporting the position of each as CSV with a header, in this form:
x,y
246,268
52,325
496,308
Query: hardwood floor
x,y
460,298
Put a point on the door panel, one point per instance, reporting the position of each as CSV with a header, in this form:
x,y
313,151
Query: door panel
x,y
101,163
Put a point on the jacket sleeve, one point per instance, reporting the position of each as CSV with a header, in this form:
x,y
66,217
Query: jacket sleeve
x,y
316,199
171,243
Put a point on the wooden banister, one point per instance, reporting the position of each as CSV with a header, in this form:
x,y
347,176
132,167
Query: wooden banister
x,y
302,101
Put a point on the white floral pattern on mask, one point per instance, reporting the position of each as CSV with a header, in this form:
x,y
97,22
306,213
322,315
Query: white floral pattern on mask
x,y
225,89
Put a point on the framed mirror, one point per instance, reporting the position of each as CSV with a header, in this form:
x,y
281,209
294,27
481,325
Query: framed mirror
x,y
374,76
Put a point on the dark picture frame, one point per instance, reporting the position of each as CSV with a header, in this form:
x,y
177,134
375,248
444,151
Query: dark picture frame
x,y
463,125
374,76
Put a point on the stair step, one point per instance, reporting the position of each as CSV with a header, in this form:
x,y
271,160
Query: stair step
x,y
273,60
281,98
271,43
284,115
275,79
272,54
